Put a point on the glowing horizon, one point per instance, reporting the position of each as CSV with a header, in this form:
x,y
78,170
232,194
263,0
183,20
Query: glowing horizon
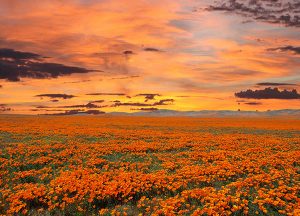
x,y
141,55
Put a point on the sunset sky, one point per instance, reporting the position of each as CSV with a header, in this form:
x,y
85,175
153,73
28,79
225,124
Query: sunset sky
x,y
142,55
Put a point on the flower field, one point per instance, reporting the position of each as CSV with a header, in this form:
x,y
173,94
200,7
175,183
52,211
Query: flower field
x,y
84,165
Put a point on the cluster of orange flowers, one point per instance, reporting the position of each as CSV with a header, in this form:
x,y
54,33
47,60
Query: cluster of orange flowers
x,y
149,166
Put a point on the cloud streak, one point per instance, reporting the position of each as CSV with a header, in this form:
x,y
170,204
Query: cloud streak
x,y
62,96
162,102
275,84
253,103
151,49
88,106
150,109
78,112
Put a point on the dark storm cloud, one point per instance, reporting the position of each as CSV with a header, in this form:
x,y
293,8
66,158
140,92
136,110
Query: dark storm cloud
x,y
54,100
164,102
17,55
268,93
151,49
271,11
148,96
106,94
44,70
275,84
63,96
15,65
295,50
